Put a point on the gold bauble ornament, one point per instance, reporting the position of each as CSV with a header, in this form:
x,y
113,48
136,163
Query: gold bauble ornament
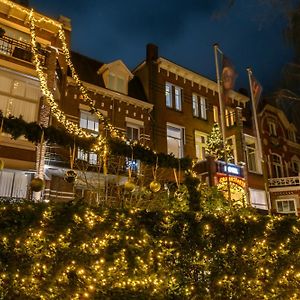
x,y
37,184
1,164
155,186
129,186
70,176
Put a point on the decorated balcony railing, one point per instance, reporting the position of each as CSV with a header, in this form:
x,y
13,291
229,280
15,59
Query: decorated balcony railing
x,y
19,49
284,181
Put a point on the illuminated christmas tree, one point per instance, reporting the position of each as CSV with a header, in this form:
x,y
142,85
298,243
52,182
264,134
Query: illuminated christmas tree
x,y
215,145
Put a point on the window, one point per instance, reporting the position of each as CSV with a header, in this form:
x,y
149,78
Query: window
x,y
216,114
286,206
13,184
291,135
199,107
116,83
276,166
132,132
173,96
229,117
253,158
200,144
19,96
89,157
272,128
175,140
89,121
231,142
296,165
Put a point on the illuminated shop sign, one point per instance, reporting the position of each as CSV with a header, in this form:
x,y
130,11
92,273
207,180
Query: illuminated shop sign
x,y
240,182
230,169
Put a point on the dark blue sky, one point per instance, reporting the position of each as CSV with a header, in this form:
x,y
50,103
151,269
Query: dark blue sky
x,y
250,33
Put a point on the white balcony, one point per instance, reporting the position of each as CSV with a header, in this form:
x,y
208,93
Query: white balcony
x,y
284,182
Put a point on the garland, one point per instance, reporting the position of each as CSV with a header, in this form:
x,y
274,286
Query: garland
x,y
32,131
72,251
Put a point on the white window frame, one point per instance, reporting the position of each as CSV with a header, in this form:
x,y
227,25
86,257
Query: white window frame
x,y
90,157
200,144
173,95
90,119
287,211
249,140
199,106
181,139
114,83
133,126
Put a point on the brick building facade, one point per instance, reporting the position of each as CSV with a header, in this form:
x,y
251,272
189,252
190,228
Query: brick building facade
x,y
160,103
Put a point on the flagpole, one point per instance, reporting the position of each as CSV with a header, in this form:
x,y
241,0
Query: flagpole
x,y
222,113
259,144
216,50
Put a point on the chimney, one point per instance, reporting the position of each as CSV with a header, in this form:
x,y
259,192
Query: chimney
x,y
151,52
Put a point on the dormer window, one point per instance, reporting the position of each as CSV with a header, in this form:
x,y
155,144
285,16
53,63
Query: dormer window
x,y
116,76
116,83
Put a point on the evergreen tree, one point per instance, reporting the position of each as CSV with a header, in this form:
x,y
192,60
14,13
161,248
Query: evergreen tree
x,y
215,145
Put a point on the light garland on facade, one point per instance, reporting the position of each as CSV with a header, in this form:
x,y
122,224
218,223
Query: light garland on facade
x,y
55,110
113,131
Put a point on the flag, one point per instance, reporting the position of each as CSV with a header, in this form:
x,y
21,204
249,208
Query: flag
x,y
256,90
229,74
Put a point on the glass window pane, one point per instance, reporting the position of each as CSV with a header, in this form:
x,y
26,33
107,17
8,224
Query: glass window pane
x,y
178,98
168,95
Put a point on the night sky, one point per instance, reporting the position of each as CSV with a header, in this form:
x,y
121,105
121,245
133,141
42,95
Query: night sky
x,y
249,32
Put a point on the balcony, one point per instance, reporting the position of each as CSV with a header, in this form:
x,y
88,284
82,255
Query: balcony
x,y
284,182
18,49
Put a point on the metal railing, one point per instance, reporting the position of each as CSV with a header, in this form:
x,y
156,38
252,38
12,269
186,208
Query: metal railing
x,y
284,181
19,49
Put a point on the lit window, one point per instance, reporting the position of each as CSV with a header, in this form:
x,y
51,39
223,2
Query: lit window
x,y
199,107
175,140
216,114
200,143
173,96
286,206
276,166
89,121
229,117
89,157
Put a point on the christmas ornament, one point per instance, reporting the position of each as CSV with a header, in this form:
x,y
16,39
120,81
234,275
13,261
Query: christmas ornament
x,y
37,184
155,186
70,176
129,186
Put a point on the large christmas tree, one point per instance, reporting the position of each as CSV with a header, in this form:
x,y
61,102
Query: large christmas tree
x,y
215,145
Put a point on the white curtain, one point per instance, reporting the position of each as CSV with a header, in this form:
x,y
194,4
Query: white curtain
x,y
13,184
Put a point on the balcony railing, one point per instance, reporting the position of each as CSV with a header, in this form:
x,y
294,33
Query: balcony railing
x,y
19,49
284,181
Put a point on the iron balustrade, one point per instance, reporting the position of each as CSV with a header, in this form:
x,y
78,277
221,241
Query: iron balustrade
x,y
19,49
